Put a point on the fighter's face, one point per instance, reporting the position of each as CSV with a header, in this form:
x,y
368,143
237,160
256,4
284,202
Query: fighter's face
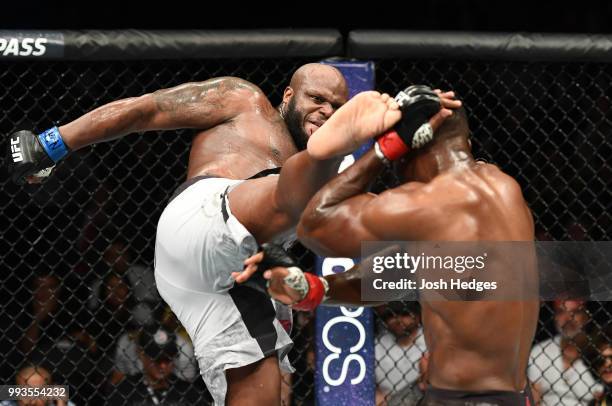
x,y
311,105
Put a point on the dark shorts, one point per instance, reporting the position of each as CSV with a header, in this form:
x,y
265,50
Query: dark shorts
x,y
443,397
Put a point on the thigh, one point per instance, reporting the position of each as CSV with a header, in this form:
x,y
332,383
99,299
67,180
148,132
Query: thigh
x,y
255,384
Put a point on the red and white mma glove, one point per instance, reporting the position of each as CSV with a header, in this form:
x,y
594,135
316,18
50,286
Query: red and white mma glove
x,y
311,288
418,104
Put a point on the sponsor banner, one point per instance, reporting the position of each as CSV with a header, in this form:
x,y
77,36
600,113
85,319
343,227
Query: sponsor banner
x,y
31,44
344,374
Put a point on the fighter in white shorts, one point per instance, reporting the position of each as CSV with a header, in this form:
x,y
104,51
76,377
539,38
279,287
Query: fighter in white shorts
x,y
239,134
198,241
217,220
213,224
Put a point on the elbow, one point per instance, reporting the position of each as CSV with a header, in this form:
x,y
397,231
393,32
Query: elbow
x,y
310,224
312,234
304,234
316,218
319,235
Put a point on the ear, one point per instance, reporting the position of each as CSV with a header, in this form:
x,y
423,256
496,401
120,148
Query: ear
x,y
288,94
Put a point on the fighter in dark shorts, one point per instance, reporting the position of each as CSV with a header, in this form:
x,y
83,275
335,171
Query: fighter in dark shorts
x,y
219,218
478,349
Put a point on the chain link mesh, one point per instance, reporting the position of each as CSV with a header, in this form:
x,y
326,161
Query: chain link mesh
x,y
78,250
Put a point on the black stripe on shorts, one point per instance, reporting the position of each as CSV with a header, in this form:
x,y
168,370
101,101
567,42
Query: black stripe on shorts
x,y
258,315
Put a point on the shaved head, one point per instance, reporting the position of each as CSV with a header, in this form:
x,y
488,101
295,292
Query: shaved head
x,y
317,71
315,92
455,125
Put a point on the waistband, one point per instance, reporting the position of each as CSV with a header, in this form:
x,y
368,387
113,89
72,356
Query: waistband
x,y
435,396
183,186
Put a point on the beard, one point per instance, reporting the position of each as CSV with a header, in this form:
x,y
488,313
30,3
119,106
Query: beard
x,y
294,119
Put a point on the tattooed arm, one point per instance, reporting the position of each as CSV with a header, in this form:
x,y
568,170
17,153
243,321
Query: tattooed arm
x,y
199,105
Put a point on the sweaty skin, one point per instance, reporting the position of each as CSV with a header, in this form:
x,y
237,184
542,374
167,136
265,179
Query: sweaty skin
x,y
474,346
239,133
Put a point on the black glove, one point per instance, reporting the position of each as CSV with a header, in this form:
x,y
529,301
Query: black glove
x,y
418,104
35,155
275,255
312,288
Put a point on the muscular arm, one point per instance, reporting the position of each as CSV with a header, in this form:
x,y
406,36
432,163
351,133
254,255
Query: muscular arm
x,y
367,115
343,208
335,211
344,288
337,208
199,105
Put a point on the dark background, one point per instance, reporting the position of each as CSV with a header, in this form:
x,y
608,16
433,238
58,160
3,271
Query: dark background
x,y
493,15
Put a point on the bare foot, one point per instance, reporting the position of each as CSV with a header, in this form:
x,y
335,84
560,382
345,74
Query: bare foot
x,y
365,116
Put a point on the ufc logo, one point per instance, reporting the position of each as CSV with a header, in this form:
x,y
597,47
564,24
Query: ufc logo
x,y
15,150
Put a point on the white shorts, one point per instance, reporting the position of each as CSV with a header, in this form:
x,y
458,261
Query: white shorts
x,y
199,243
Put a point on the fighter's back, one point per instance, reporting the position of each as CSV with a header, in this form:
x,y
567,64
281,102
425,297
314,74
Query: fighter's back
x,y
484,344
